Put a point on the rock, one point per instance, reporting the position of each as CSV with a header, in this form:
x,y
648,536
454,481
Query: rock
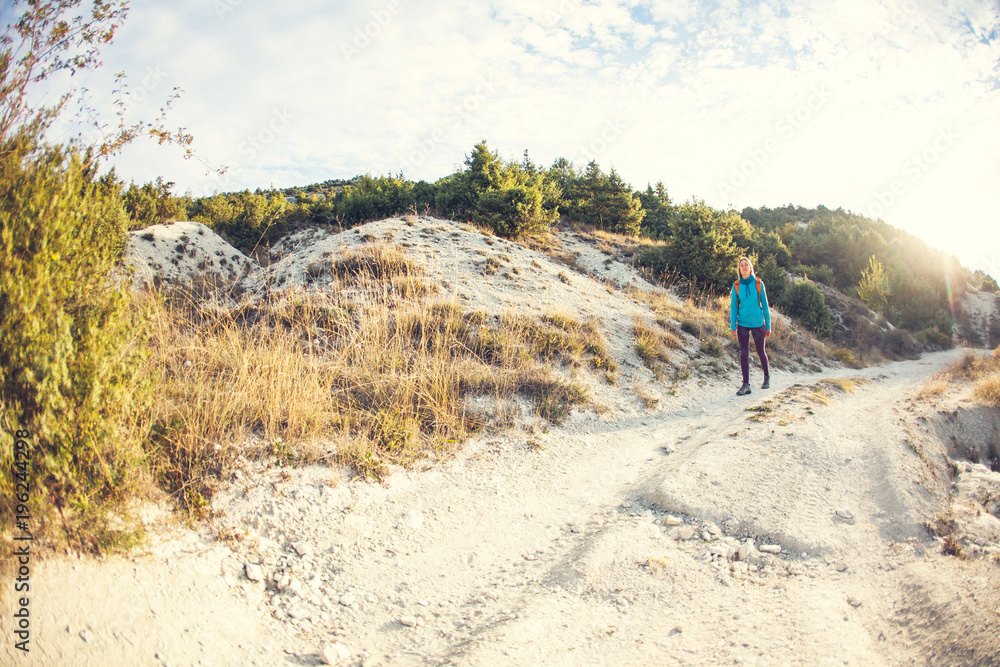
x,y
254,572
414,518
86,635
672,520
771,548
283,583
298,612
854,602
333,654
686,533
303,549
347,599
409,621
841,567
847,515
721,550
747,551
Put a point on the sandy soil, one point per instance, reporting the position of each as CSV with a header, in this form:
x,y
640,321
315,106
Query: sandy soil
x,y
644,538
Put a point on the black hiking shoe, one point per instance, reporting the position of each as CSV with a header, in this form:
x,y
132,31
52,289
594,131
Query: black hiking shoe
x,y
744,390
767,382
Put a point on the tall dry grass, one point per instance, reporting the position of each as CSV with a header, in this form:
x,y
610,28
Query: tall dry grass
x,y
369,371
984,371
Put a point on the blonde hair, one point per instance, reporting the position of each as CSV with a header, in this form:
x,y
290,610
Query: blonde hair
x,y
740,275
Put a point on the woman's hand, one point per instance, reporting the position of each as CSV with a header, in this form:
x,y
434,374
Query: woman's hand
x,y
767,333
733,332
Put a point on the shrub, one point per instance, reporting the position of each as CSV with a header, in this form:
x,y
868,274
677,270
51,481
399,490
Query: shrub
x,y
805,303
68,341
933,338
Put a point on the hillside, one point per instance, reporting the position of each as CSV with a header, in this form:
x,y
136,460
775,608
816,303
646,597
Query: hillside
x,y
662,520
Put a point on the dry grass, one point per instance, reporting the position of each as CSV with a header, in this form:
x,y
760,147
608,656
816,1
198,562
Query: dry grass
x,y
367,372
983,370
933,389
987,390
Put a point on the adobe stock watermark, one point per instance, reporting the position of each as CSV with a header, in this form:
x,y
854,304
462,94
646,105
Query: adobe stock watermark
x,y
151,80
784,129
253,145
913,169
223,7
612,130
554,17
363,35
455,117
898,15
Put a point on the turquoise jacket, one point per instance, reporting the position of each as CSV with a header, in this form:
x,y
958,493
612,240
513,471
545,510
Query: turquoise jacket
x,y
750,313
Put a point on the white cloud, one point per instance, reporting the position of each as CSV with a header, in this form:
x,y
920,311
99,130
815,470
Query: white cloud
x,y
691,93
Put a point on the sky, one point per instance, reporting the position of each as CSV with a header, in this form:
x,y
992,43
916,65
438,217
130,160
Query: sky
x,y
889,109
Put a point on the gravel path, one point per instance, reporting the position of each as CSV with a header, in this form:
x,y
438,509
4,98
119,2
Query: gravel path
x,y
642,541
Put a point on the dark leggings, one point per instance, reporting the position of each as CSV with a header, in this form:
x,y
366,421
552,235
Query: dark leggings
x,y
743,335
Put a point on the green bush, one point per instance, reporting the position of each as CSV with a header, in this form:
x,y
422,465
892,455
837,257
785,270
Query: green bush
x,y
934,339
511,198
805,303
69,348
246,219
700,248
373,198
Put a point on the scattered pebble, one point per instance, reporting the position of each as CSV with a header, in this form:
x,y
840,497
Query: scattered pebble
x,y
854,602
347,599
845,514
299,612
86,635
771,548
409,621
332,654
254,572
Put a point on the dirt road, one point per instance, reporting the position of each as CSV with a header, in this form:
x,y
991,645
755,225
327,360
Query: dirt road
x,y
628,543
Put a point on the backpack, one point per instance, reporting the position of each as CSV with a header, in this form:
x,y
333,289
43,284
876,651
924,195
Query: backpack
x,y
736,286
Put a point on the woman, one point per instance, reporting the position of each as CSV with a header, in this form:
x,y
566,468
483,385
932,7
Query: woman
x,y
749,314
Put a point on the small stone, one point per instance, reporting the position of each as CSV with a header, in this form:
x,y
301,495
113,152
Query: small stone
x,y
529,557
299,612
303,549
254,572
86,635
685,533
847,515
672,520
854,602
493,595
347,599
841,567
187,363
747,551
332,654
771,548
424,603
409,621
420,621
414,519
